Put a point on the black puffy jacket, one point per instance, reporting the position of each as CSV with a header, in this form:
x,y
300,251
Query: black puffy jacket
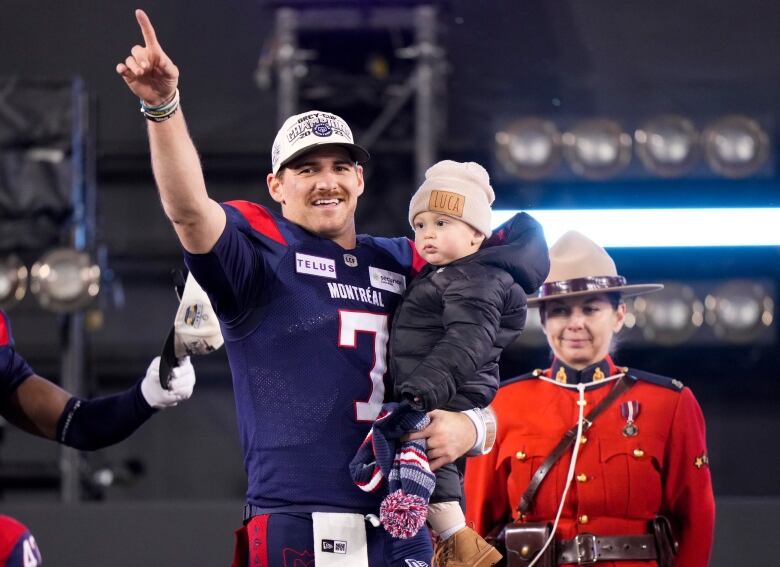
x,y
454,321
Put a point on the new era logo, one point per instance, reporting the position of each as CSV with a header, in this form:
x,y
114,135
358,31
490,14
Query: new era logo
x,y
334,546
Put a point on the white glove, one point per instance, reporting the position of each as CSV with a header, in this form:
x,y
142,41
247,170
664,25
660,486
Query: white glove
x,y
182,384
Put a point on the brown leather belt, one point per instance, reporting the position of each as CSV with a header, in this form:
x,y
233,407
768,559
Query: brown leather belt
x,y
586,549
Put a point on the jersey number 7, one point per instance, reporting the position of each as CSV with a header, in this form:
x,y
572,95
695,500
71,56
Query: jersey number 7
x,y
350,324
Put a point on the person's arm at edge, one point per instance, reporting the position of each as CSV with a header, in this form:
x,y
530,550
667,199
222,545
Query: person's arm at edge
x,y
36,406
44,409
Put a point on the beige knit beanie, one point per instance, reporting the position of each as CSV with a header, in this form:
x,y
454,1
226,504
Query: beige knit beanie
x,y
459,190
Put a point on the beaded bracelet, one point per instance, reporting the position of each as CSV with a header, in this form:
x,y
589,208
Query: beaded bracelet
x,y
163,111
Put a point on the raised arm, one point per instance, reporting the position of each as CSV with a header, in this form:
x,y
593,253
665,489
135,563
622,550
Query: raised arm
x,y
151,76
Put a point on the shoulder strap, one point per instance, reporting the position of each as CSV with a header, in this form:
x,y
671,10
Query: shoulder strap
x,y
568,438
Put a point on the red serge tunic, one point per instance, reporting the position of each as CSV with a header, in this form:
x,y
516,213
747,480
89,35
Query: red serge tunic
x,y
621,481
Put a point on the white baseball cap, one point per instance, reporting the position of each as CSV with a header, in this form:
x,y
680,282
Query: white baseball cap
x,y
304,132
195,329
196,325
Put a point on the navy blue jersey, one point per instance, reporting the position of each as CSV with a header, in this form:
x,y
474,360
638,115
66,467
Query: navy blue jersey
x,y
306,326
13,368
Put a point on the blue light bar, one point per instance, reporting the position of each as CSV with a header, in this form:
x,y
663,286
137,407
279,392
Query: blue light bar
x,y
654,228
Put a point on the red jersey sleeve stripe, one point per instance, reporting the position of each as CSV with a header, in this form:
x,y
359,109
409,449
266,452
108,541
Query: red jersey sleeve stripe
x,y
259,219
417,261
10,529
5,337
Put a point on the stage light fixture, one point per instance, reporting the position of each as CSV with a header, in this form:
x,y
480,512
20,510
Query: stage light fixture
x,y
667,145
529,148
735,146
65,280
739,311
597,148
13,281
671,316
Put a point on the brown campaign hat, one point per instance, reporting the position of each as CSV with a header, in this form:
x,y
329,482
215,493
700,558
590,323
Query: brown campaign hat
x,y
579,266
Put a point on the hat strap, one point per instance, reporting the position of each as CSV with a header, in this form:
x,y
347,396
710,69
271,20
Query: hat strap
x,y
591,283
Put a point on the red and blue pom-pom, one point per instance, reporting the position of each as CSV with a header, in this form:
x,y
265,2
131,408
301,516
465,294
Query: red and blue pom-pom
x,y
402,514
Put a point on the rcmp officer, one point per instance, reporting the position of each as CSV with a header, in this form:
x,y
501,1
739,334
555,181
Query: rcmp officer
x,y
642,456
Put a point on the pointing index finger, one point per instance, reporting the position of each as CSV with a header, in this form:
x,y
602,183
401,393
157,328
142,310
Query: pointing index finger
x,y
150,38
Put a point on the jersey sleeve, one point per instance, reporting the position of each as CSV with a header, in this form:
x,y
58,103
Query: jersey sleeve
x,y
13,368
688,496
243,260
418,263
